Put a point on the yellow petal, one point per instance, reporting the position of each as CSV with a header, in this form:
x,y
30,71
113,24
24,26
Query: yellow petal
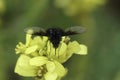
x,y
50,66
73,47
23,67
59,69
61,55
50,76
36,41
31,49
44,38
28,39
83,50
62,49
38,61
50,49
20,48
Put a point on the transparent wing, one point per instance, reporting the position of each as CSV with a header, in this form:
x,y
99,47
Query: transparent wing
x,y
35,31
74,30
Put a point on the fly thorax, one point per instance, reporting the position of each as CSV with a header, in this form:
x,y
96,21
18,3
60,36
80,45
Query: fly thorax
x,y
55,36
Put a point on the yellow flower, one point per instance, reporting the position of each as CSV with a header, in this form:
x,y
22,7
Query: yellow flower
x,y
40,67
32,45
75,7
43,47
41,60
65,50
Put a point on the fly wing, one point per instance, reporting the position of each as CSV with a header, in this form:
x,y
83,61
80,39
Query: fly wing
x,y
35,31
74,30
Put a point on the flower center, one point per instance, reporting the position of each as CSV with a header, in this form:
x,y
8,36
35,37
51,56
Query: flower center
x,y
40,73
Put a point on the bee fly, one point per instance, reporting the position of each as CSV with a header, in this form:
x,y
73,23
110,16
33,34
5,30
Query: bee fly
x,y
55,34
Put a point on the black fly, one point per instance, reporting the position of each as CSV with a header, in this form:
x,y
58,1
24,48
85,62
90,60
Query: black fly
x,y
55,34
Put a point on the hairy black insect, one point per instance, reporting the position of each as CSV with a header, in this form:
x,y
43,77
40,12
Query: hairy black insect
x,y
55,34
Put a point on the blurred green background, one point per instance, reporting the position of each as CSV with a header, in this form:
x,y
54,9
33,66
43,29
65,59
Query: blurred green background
x,y
101,18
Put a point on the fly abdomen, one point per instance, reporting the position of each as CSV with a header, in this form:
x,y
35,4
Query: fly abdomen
x,y
55,41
